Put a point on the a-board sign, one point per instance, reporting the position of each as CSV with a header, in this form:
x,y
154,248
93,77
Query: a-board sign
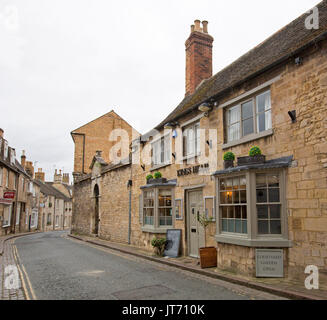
x,y
173,237
269,263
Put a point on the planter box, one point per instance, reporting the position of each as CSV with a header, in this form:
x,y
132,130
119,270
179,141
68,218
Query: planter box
x,y
153,181
208,257
228,164
243,161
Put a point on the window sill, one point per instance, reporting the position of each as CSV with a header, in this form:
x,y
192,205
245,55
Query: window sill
x,y
191,156
159,166
150,229
249,138
5,226
258,243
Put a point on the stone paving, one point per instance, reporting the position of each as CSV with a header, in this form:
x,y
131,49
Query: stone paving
x,y
10,290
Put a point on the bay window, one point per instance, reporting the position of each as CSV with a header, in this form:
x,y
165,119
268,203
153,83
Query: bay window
x,y
251,116
158,208
252,208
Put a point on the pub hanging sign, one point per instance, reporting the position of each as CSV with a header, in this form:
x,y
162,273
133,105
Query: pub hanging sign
x,y
192,170
9,195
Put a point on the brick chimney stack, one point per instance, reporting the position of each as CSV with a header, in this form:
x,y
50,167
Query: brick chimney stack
x,y
65,178
198,56
23,159
1,133
39,175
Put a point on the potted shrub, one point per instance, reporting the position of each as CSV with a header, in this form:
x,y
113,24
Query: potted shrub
x,y
157,178
229,158
208,255
149,177
159,245
255,157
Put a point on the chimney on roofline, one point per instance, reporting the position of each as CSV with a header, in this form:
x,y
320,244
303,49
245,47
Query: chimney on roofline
x,y
1,133
198,56
23,159
39,175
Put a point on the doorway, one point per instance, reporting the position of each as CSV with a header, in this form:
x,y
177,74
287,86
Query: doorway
x,y
194,207
96,210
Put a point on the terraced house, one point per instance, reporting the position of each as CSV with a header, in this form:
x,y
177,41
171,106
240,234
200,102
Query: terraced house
x,y
273,97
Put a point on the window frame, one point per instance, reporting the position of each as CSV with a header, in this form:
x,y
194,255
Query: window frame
x,y
197,140
163,150
180,218
1,176
214,213
253,238
255,117
156,227
10,208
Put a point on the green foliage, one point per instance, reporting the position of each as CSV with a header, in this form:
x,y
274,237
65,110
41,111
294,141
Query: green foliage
x,y
149,176
159,245
255,151
158,175
204,220
229,156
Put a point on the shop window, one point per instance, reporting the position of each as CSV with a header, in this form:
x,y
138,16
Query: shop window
x,y
158,206
249,117
178,209
252,208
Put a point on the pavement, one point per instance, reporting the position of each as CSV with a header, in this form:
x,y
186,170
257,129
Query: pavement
x,y
287,288
58,267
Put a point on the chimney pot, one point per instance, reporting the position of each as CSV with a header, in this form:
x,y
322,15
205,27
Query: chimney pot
x,y
192,28
197,25
205,26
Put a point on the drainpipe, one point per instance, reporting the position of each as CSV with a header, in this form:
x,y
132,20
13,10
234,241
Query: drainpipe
x,y
130,183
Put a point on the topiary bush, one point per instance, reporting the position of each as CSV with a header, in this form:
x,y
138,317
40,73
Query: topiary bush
x,y
149,176
229,156
158,175
255,151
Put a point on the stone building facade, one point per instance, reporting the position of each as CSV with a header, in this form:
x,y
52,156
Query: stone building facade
x,y
273,97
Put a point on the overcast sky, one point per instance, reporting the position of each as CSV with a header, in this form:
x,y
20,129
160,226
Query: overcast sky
x,y
64,63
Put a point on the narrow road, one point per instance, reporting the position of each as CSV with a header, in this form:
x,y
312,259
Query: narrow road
x,y
60,268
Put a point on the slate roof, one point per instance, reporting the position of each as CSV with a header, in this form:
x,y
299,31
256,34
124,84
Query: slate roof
x,y
49,190
278,48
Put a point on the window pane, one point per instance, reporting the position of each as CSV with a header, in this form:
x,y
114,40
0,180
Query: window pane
x,y
234,132
223,197
247,126
263,102
224,225
274,195
244,212
230,212
234,115
242,183
224,212
243,196
236,182
244,226
236,195
273,180
262,212
261,181
238,212
222,184
263,227
261,195
261,121
238,226
247,110
275,211
229,184
231,225
275,227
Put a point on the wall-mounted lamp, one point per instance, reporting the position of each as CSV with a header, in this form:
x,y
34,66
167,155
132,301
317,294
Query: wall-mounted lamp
x,y
298,61
206,108
292,115
171,125
143,167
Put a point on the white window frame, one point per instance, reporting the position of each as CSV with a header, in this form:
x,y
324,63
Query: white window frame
x,y
18,213
161,151
1,176
195,128
255,118
181,209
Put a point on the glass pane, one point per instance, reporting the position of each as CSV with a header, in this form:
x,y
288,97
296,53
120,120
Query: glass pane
x,y
261,195
244,226
275,227
229,184
248,127
230,212
247,110
229,195
223,197
263,102
263,227
238,226
262,212
273,180
236,195
222,184
261,180
261,122
234,132
224,212
244,212
234,115
224,225
238,212
274,195
242,183
243,196
231,225
275,211
236,182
